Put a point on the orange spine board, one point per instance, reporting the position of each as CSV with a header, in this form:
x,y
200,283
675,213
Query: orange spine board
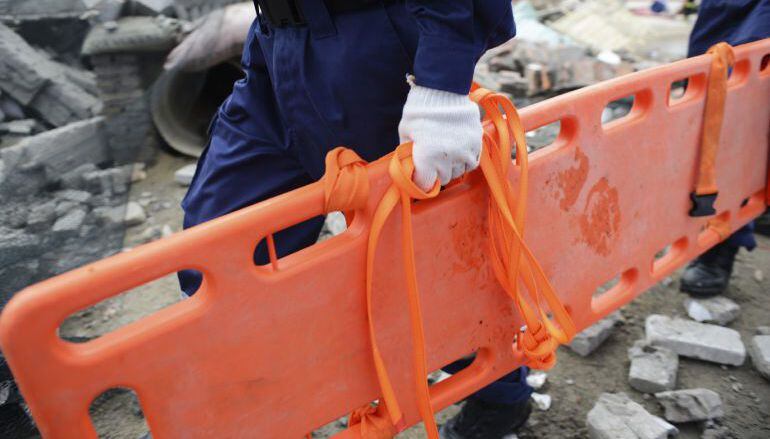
x,y
279,350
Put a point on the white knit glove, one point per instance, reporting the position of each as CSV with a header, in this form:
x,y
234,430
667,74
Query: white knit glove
x,y
446,130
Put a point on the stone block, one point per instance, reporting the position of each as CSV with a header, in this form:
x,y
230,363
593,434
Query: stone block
x,y
41,216
719,310
184,175
759,349
696,340
135,214
77,196
616,416
16,245
690,405
653,368
592,337
70,223
40,160
34,80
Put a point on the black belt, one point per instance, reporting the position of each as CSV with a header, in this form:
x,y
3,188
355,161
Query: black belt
x,y
288,13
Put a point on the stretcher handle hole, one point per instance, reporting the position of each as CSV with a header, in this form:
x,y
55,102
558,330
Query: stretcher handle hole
x,y
128,307
752,206
686,89
710,231
764,65
270,252
458,375
542,136
616,289
667,259
117,411
738,75
625,109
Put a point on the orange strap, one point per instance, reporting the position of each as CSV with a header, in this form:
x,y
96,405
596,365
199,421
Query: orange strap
x,y
722,59
513,262
706,188
346,185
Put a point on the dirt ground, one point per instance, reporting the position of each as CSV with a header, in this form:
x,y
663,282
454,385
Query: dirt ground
x,y
574,384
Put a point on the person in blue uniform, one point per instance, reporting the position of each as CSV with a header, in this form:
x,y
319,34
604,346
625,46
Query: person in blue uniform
x,y
735,22
324,73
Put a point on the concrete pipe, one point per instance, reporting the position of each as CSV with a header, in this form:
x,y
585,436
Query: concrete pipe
x,y
183,104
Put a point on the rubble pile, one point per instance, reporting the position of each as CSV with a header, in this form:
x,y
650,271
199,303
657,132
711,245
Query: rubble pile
x,y
76,125
565,45
654,364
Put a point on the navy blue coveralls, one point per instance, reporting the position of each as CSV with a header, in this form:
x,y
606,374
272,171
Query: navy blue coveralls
x,y
340,80
735,22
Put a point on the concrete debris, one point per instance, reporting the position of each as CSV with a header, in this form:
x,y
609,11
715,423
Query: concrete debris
x,y
690,405
138,172
109,182
526,69
696,340
719,310
70,223
37,9
608,25
35,81
24,127
132,34
184,175
62,207
127,117
758,275
135,214
110,10
334,225
16,245
41,216
759,349
152,7
763,330
81,197
542,401
536,379
193,9
653,368
10,109
714,431
37,161
616,416
592,337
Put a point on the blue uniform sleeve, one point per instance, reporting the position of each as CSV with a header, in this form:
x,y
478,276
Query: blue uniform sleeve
x,y
447,50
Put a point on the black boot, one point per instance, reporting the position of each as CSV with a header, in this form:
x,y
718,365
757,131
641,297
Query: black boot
x,y
483,420
762,224
709,274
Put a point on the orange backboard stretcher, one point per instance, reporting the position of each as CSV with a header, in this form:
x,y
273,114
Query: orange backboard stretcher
x,y
277,351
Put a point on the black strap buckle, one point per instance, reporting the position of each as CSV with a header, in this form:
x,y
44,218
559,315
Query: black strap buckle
x,y
703,205
281,13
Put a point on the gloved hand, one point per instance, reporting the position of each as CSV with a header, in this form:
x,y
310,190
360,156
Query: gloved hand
x,y
446,130
217,37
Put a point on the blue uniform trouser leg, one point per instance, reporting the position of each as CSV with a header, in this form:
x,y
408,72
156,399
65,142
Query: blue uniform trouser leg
x,y
510,389
294,105
735,22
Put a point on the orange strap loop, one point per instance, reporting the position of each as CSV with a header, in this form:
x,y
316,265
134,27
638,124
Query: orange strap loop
x,y
373,426
346,184
706,189
513,262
